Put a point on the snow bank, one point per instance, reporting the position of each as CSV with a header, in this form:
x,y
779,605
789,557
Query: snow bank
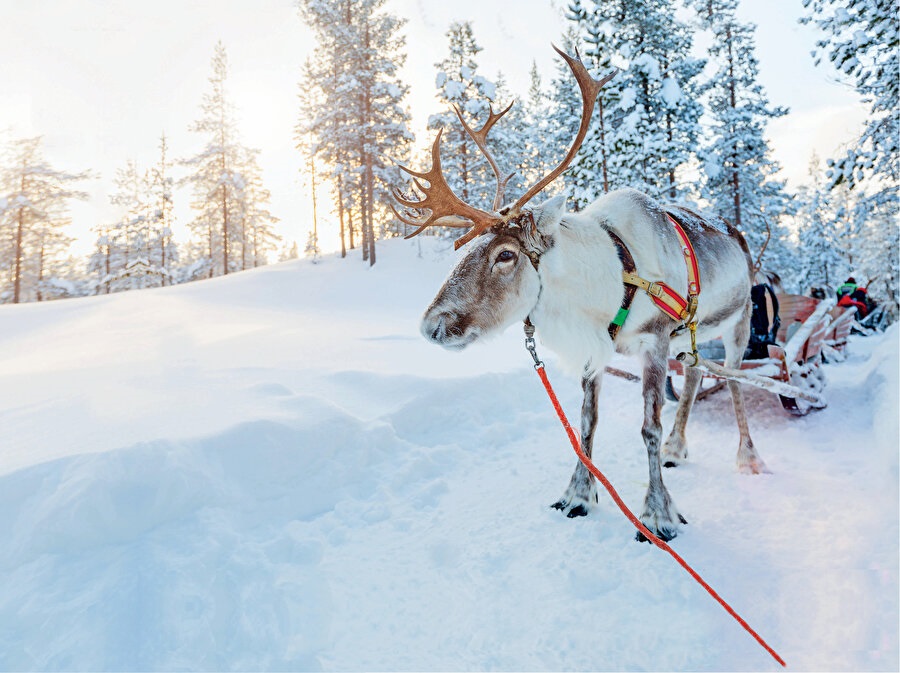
x,y
273,471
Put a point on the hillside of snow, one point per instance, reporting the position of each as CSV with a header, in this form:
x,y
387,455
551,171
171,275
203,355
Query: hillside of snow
x,y
274,471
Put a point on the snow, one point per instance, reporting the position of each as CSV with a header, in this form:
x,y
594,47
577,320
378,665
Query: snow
x,y
670,92
486,87
648,64
627,98
273,470
453,89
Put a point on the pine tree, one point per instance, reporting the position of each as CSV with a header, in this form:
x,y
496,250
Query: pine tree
x,y
647,125
591,32
35,197
218,179
658,133
862,41
536,130
737,168
459,85
257,223
163,252
357,121
824,237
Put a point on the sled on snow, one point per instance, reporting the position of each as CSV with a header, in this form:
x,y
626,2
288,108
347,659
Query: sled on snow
x,y
810,330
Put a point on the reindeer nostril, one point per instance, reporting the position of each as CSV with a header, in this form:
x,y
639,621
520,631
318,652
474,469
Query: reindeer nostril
x,y
437,328
436,334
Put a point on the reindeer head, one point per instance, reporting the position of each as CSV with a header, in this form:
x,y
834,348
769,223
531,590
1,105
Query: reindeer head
x,y
497,282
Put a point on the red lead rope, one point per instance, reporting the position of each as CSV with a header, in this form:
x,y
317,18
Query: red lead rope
x,y
539,368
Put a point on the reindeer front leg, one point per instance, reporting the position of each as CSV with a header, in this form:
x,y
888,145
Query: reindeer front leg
x,y
660,514
581,494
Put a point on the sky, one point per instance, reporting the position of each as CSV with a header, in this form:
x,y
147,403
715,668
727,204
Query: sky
x,y
102,80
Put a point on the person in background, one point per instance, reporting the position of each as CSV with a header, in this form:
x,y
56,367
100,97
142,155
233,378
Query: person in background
x,y
850,294
849,287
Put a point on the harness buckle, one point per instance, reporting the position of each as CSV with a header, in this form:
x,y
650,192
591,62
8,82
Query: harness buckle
x,y
655,290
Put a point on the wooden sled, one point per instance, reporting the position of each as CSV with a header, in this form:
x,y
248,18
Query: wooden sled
x,y
793,370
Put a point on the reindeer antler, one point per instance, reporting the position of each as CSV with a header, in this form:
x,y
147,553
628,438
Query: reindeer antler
x,y
480,137
447,209
590,87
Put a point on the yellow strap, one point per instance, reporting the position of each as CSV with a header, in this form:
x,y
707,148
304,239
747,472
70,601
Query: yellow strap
x,y
675,310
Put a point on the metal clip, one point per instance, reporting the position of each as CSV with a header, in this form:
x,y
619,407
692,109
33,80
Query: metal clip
x,y
531,346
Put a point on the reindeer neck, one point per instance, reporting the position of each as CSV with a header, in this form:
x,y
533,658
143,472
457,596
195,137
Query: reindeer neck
x,y
580,271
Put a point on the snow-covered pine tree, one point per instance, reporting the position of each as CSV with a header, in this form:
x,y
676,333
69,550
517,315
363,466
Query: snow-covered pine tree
x,y
35,197
659,101
258,237
105,259
213,172
131,234
736,168
591,34
358,121
862,41
220,176
508,142
648,130
877,260
824,237
565,108
535,159
163,253
459,84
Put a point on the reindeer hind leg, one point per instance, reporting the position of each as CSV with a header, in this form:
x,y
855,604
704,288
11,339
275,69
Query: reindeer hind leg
x,y
748,460
660,514
674,451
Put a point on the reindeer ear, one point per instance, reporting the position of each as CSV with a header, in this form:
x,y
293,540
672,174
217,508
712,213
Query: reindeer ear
x,y
548,215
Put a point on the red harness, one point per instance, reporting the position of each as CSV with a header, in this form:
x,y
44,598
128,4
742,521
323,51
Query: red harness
x,y
666,299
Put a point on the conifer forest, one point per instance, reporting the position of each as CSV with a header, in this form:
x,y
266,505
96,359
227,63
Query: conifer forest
x,y
685,120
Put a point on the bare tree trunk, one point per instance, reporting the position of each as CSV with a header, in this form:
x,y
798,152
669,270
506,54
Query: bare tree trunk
x,y
20,228
603,153
363,223
224,192
735,179
224,230
40,296
370,197
209,230
341,213
108,260
312,168
163,209
673,192
350,227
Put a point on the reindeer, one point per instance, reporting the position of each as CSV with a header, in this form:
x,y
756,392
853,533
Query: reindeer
x,y
565,273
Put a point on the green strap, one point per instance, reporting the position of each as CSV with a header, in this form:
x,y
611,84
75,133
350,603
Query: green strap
x,y
620,317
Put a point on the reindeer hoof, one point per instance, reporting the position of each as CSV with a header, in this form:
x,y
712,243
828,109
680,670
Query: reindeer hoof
x,y
671,463
664,532
572,509
665,535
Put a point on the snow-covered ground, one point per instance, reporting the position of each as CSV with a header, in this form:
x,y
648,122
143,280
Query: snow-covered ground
x,y
274,471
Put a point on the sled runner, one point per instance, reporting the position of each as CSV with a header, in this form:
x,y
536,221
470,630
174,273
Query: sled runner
x,y
793,368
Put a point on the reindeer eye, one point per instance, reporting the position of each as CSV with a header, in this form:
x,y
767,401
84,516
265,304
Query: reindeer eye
x,y
506,256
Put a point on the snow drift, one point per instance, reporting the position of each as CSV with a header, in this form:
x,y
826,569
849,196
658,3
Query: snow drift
x,y
273,471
